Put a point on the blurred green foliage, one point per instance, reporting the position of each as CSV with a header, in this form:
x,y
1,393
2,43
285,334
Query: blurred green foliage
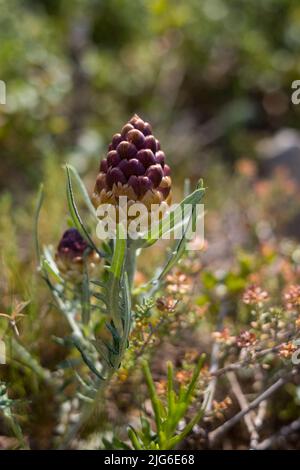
x,y
210,73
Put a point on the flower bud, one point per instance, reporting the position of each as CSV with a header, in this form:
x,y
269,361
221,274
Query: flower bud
x,y
134,167
72,252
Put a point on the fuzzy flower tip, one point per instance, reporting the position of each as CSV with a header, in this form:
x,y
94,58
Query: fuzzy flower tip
x,y
71,253
134,167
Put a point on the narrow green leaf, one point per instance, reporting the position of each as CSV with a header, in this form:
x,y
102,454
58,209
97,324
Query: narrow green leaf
x,y
75,214
88,388
89,362
119,444
101,297
192,385
49,265
156,404
83,191
115,272
85,398
103,351
134,439
180,246
171,443
85,295
166,225
146,429
171,392
99,284
126,313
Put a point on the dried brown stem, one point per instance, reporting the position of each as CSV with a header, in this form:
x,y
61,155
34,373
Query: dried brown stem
x,y
216,435
243,402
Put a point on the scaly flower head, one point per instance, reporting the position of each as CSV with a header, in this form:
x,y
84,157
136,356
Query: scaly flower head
x,y
134,167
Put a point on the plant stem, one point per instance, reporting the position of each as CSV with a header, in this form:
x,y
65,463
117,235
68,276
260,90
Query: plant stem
x,y
129,266
24,356
130,262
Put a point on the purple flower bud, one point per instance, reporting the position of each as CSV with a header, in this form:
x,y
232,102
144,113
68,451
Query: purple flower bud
x,y
115,176
123,165
167,170
103,166
146,157
72,244
134,118
115,141
155,174
160,158
131,167
150,143
72,254
126,150
113,158
136,161
145,184
147,129
136,137
135,167
128,127
134,183
139,124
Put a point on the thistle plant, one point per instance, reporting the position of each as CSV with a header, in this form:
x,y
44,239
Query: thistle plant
x,y
91,280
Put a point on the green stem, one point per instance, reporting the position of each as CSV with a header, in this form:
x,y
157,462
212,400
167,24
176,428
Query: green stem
x,y
24,356
129,266
14,426
130,262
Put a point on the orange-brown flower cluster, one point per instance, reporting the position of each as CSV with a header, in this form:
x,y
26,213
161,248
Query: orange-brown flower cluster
x,y
183,377
255,295
219,407
292,297
166,304
161,387
245,339
287,350
178,283
224,337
